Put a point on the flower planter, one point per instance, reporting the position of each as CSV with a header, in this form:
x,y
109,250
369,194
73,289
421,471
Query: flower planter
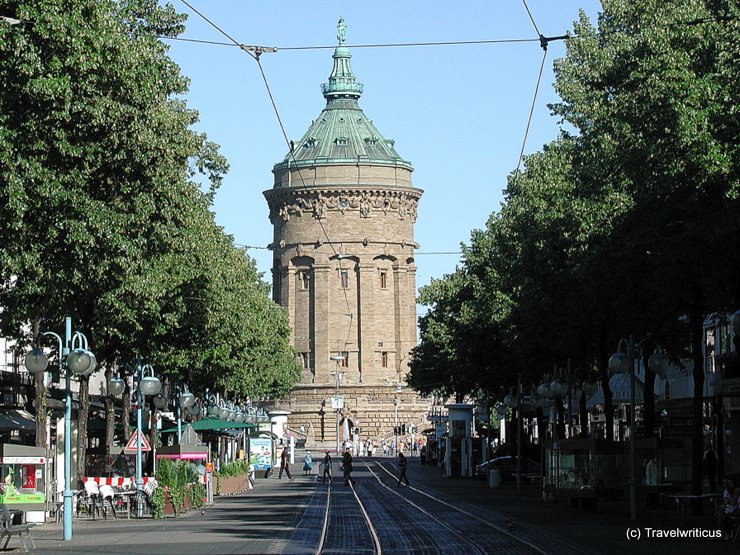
x,y
169,509
229,485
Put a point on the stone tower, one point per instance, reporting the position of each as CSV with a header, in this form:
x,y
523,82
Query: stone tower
x,y
343,210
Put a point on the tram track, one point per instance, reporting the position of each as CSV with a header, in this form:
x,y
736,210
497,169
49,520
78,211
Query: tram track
x,y
523,543
377,516
342,514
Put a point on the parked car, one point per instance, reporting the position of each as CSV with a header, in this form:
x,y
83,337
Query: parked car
x,y
507,466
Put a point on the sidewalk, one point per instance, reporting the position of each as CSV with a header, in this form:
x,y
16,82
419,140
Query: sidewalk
x,y
263,521
568,530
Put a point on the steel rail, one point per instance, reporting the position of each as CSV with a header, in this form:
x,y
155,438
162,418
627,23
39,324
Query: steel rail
x,y
466,513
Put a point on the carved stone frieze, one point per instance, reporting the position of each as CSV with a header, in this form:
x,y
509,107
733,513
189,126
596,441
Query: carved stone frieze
x,y
316,204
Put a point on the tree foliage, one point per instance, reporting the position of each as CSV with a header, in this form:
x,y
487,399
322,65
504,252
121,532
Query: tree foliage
x,y
105,196
626,224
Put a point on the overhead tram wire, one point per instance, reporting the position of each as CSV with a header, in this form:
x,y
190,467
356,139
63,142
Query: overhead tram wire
x,y
255,53
691,22
534,24
356,46
544,41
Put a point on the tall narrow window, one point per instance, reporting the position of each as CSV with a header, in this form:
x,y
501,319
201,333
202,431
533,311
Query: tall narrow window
x,y
344,363
384,359
305,280
383,279
303,360
344,279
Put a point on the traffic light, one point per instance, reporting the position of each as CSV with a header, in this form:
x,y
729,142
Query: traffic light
x,y
403,429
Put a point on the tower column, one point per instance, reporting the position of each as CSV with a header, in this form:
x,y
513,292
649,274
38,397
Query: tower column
x,y
366,321
321,323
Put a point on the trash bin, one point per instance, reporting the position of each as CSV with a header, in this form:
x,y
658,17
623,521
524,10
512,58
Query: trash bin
x,y
494,477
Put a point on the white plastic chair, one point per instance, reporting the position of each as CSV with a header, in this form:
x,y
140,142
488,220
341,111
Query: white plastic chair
x,y
92,495
107,493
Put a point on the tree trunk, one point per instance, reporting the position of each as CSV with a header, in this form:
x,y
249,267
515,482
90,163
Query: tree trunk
x,y
41,416
608,403
649,401
153,439
696,323
583,414
126,412
604,377
110,413
542,434
83,412
40,400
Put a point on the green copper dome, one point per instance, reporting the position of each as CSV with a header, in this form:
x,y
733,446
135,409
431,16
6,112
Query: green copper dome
x,y
342,133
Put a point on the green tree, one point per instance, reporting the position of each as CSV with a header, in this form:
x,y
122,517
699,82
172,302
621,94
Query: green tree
x,y
103,213
653,95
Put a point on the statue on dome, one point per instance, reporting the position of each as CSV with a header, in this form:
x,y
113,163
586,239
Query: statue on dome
x,y
342,30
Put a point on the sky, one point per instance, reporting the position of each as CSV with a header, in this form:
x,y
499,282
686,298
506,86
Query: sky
x,y
458,113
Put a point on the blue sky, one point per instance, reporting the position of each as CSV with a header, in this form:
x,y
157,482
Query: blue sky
x,y
457,113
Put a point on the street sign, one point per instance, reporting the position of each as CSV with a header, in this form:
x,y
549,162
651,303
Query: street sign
x,y
130,448
209,467
337,402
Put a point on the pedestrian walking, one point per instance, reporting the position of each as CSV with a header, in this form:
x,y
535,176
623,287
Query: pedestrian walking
x,y
370,448
402,469
347,467
284,465
327,468
307,464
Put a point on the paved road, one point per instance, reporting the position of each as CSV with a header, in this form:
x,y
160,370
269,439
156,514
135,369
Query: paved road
x,y
435,515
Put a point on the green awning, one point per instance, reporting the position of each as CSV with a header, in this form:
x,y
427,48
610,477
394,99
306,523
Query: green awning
x,y
214,424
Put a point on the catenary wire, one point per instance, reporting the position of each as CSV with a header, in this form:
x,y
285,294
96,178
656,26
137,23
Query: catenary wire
x,y
531,111
256,57
692,22
356,46
529,13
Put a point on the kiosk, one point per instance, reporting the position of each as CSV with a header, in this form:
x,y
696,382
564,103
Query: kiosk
x,y
23,480
459,443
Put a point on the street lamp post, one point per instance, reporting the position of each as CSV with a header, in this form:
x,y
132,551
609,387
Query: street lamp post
x,y
621,363
79,361
145,385
337,378
183,400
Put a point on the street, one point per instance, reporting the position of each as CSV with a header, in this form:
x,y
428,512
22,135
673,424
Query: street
x,y
433,515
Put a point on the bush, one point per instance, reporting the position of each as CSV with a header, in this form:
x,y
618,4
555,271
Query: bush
x,y
234,468
174,478
197,493
157,500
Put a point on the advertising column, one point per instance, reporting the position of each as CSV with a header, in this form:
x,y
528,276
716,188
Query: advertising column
x,y
459,452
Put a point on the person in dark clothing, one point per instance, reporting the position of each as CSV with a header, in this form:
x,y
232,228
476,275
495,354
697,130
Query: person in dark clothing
x,y
347,467
285,464
327,468
402,463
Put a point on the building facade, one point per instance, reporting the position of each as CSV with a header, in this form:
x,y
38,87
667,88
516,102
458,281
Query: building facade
x,y
343,208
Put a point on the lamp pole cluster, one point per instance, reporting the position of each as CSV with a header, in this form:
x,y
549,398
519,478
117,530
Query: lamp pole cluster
x,y
337,375
628,361
146,384
74,358
183,401
550,388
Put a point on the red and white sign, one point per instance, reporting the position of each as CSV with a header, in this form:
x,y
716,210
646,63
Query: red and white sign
x,y
116,481
130,448
121,482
